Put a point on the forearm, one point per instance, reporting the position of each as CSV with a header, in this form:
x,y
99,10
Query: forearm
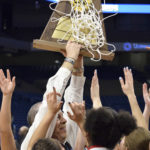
x,y
7,141
67,65
146,114
5,115
7,138
97,103
136,111
80,141
81,126
41,130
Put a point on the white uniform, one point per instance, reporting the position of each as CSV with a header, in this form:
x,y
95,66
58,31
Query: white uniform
x,y
73,93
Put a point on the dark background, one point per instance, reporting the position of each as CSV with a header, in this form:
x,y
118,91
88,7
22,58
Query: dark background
x,y
21,21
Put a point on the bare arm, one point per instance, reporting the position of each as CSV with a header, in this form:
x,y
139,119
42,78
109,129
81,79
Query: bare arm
x,y
95,91
7,87
128,89
146,96
53,108
78,116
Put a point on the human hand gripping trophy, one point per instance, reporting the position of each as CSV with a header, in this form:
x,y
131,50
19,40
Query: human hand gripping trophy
x,y
80,21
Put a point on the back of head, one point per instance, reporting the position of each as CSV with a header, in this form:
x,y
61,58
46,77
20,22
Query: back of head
x,y
105,126
138,139
46,144
32,112
22,133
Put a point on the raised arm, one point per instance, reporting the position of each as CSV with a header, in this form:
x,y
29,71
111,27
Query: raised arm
x,y
74,93
7,86
146,96
53,107
128,89
95,91
59,81
78,115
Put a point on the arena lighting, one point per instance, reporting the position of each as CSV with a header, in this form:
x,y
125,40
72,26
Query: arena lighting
x,y
123,8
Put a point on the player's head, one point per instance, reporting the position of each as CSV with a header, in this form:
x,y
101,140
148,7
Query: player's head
x,y
47,144
60,128
32,112
139,139
105,127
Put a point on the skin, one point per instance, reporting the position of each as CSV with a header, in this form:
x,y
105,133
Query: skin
x,y
146,96
60,128
7,86
127,86
122,144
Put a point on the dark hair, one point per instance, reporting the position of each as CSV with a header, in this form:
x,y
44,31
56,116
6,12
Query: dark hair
x,y
46,144
32,112
105,126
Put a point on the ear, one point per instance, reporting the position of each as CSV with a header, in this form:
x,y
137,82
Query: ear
x,y
87,139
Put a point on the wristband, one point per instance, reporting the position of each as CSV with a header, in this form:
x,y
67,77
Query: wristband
x,y
70,60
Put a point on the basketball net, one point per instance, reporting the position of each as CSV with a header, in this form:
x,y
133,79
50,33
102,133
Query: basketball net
x,y
84,25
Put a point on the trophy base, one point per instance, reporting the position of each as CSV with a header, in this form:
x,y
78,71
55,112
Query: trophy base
x,y
57,47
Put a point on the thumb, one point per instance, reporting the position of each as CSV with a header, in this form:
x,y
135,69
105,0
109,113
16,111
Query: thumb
x,y
59,105
70,116
14,81
121,82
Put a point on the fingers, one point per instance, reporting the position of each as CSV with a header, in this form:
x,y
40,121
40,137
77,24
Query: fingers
x,y
14,81
72,107
94,78
59,105
144,87
83,105
95,75
121,82
95,72
128,75
145,92
52,96
2,76
63,53
70,116
55,93
8,75
125,74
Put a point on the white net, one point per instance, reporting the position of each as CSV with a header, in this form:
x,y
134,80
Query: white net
x,y
86,26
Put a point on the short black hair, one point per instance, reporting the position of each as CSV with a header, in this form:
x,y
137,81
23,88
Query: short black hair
x,y
105,126
46,144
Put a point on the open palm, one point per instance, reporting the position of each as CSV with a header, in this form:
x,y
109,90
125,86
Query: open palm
x,y
6,84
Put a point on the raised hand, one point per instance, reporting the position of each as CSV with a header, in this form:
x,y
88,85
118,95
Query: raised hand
x,y
146,94
73,50
6,84
95,91
78,62
78,110
53,105
127,85
128,90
